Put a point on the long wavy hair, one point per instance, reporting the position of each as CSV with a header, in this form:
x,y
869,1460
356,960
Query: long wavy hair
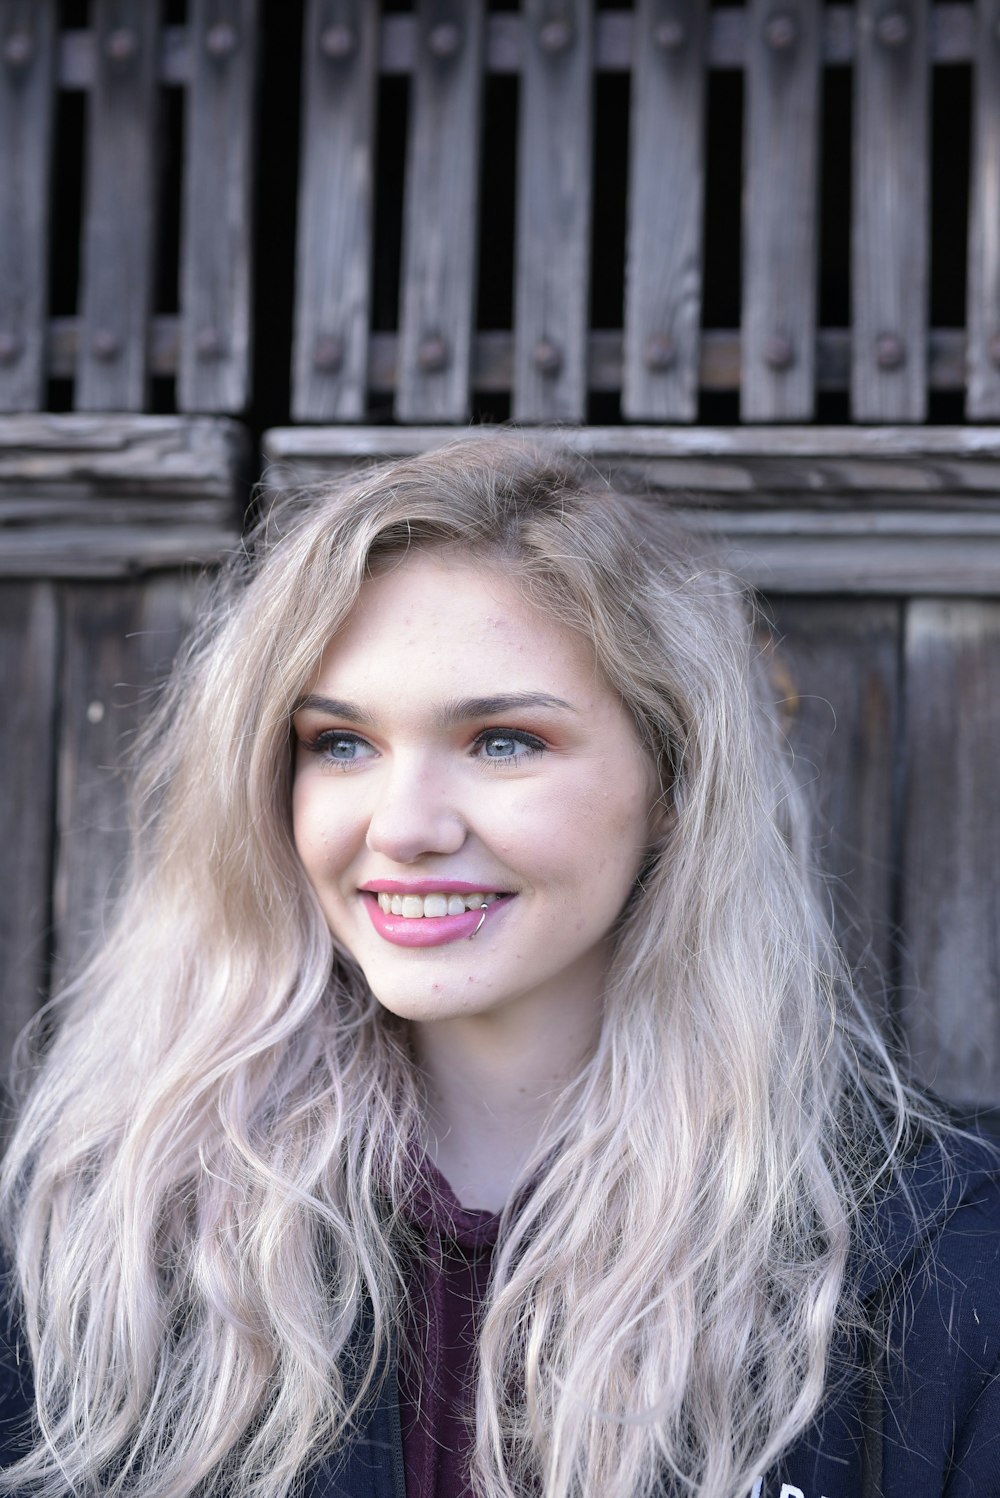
x,y
203,1193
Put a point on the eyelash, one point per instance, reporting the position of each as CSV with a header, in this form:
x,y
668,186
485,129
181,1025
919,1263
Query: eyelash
x,y
324,741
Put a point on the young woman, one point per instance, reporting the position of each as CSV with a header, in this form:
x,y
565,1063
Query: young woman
x,y
469,1096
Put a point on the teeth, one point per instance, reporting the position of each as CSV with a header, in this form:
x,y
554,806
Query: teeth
x,y
413,907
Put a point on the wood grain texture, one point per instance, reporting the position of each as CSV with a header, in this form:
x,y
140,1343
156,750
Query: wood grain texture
x,y
440,214
27,39
836,670
780,212
216,258
336,187
554,195
119,212
663,271
951,847
983,312
119,642
890,216
28,667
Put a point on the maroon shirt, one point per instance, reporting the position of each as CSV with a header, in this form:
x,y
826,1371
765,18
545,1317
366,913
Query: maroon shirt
x,y
448,1281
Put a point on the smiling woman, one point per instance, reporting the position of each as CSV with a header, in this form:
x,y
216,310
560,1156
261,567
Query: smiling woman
x,y
469,1096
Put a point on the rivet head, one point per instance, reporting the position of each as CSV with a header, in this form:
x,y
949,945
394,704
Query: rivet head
x,y
106,345
432,354
556,35
994,350
779,351
328,353
18,49
890,351
669,35
444,39
221,39
781,30
121,45
208,343
10,348
548,357
661,352
337,41
893,29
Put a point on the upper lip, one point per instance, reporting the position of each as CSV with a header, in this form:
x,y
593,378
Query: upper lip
x,y
430,887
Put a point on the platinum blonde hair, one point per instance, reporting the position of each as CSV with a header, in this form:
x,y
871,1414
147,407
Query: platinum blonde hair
x,y
204,1187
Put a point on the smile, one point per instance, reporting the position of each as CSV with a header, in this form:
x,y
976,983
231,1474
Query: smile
x,y
417,907
433,919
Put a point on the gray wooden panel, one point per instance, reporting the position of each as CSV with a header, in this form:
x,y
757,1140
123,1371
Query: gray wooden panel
x,y
983,315
28,664
27,35
553,213
119,641
951,915
837,678
440,216
216,266
663,276
333,271
117,260
780,209
890,253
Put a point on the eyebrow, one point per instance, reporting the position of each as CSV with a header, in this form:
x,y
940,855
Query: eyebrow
x,y
460,710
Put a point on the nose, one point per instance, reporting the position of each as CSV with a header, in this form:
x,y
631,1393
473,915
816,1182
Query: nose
x,y
414,814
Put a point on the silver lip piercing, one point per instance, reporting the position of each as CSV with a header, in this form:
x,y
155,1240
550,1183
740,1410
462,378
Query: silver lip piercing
x,y
484,909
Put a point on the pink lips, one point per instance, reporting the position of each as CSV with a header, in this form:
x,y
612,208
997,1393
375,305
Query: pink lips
x,y
428,930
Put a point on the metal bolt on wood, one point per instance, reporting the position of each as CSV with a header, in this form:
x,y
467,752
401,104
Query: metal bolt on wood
x,y
556,35
781,30
433,353
548,357
208,343
18,49
221,39
444,40
106,345
779,351
890,351
10,348
328,353
338,41
661,352
121,45
669,36
893,29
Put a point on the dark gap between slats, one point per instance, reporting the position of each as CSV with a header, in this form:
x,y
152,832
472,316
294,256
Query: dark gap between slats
x,y
69,139
73,14
835,200
495,290
610,175
170,150
951,129
723,198
392,113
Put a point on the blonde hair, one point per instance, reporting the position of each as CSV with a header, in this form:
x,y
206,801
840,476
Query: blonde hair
x,y
204,1186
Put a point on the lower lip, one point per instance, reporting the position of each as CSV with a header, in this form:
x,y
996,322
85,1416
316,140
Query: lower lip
x,y
427,930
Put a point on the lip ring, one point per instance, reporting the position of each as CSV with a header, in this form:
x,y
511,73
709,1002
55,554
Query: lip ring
x,y
428,931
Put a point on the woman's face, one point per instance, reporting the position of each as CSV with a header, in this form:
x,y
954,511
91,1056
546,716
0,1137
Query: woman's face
x,y
457,743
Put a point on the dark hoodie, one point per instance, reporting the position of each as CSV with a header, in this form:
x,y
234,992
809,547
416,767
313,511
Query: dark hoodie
x,y
920,1422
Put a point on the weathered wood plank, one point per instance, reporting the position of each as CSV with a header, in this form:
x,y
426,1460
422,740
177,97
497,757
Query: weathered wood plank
x,y
118,232
553,213
891,247
336,188
663,275
29,655
440,215
780,210
27,34
216,260
951,918
836,671
983,315
119,641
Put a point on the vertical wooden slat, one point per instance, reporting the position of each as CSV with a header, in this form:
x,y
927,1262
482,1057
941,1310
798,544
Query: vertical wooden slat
x,y
440,214
119,640
28,668
890,252
663,275
780,206
836,672
553,212
951,915
983,316
218,207
27,35
119,214
333,274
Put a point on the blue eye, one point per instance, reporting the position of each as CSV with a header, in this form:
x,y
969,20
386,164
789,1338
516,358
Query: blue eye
x,y
501,746
341,748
